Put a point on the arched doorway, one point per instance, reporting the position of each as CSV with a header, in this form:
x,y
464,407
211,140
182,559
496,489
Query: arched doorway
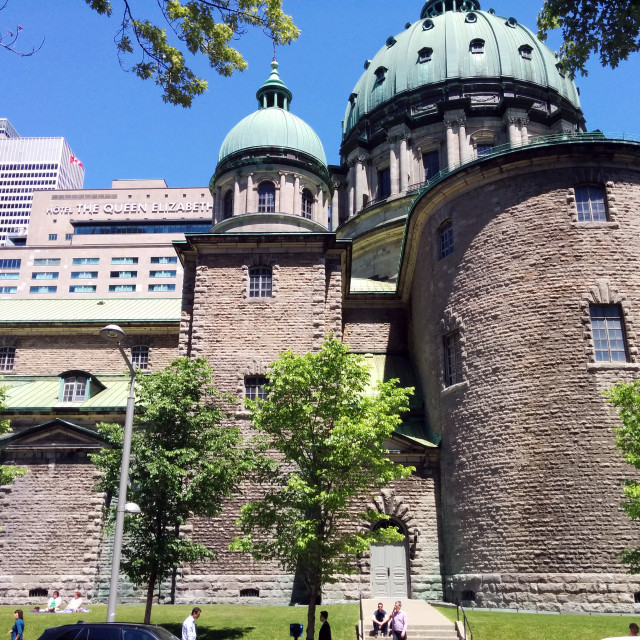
x,y
390,565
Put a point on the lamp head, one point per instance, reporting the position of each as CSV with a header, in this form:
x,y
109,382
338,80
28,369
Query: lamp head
x,y
132,507
112,333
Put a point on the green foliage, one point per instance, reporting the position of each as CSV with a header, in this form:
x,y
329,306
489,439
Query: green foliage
x,y
609,28
8,472
626,398
330,439
184,463
204,27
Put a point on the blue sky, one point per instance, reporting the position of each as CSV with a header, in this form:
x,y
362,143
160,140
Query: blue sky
x,y
120,128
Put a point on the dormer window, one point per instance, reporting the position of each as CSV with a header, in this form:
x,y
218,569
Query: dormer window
x,y
425,54
74,389
381,74
77,386
560,69
352,98
476,46
525,52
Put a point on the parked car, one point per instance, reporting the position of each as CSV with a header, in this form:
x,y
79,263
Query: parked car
x,y
107,631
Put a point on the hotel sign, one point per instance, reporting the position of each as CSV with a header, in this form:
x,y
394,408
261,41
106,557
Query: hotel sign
x,y
132,207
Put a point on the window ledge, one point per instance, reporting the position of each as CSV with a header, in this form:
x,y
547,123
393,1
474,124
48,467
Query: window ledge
x,y
609,224
460,386
613,366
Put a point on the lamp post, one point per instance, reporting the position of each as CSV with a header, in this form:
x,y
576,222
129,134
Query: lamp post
x,y
114,334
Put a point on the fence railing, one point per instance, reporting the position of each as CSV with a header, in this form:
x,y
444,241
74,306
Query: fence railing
x,y
468,634
533,141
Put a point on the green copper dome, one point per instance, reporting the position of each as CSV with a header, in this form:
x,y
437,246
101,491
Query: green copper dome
x,y
273,125
454,41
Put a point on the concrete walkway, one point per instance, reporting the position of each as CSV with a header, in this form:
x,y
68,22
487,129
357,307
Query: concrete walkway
x,y
423,621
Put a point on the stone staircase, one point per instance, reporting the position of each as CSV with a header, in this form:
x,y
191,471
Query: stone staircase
x,y
423,621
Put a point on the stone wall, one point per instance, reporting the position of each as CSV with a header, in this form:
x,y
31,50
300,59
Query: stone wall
x,y
51,530
368,328
46,352
531,479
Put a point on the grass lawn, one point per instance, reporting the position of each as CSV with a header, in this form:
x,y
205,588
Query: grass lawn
x,y
241,622
217,622
491,625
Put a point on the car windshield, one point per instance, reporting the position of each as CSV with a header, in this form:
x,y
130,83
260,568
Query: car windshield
x,y
163,634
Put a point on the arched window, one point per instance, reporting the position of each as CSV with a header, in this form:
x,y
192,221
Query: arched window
x,y
74,389
260,282
445,239
140,356
307,204
227,205
7,358
266,197
590,204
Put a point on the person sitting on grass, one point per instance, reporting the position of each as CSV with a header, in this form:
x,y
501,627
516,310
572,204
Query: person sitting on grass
x,y
54,603
75,604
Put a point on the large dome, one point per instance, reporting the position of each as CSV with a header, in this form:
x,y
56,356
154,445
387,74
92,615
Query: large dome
x,y
454,42
273,125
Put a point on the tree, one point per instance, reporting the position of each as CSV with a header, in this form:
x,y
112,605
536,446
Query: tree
x,y
329,436
609,28
184,463
626,398
9,39
8,472
200,27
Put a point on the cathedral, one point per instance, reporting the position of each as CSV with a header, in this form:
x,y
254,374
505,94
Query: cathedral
x,y
475,241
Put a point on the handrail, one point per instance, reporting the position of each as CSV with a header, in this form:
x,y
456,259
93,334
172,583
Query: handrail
x,y
465,622
533,141
360,626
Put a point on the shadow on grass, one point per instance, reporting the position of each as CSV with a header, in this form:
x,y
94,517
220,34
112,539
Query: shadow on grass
x,y
204,633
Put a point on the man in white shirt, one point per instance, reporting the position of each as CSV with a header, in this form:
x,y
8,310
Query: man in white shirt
x,y
189,625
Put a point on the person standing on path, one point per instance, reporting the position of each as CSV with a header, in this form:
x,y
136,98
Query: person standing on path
x,y
189,625
17,631
398,622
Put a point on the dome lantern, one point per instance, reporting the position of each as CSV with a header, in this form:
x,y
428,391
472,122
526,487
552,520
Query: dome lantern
x,y
274,92
437,7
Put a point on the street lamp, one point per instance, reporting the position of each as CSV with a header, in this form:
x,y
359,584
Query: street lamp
x,y
114,334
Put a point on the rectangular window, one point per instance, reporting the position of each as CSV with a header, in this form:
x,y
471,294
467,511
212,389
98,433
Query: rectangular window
x,y
124,260
82,288
46,262
445,237
44,275
260,282
167,273
254,387
140,357
484,150
53,236
10,263
124,274
608,333
162,287
86,261
50,289
164,260
431,164
68,236
7,358
122,288
384,183
9,275
590,204
83,275
8,289
452,359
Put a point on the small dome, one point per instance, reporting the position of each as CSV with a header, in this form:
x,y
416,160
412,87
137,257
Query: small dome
x,y
441,47
273,125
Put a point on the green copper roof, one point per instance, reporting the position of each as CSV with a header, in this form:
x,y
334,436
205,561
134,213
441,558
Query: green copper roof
x,y
107,310
444,37
273,125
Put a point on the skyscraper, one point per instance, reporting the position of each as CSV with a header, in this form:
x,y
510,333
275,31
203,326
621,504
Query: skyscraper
x,y
28,165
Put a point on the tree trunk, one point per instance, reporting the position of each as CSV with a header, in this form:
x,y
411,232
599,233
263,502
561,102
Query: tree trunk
x,y
150,589
314,592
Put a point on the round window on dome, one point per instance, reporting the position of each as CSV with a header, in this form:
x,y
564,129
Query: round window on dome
x,y
492,12
471,17
427,24
406,26
367,63
512,22
391,41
